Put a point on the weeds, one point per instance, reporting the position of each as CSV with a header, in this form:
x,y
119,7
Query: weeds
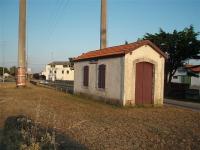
x,y
22,133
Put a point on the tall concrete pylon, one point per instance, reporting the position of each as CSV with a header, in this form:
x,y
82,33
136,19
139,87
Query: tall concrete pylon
x,y
103,34
21,71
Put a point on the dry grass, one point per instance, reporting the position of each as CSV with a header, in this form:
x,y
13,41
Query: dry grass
x,y
100,126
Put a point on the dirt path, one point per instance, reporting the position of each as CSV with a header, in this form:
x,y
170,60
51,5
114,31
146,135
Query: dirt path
x,y
100,126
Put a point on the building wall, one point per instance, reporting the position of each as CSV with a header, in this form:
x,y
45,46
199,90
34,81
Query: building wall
x,y
51,75
195,82
147,54
47,72
177,78
114,79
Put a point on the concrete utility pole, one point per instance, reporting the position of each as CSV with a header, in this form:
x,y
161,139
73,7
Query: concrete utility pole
x,y
3,62
21,71
3,43
103,42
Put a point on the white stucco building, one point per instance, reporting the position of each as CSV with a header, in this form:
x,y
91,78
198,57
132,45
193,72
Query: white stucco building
x,y
188,74
59,70
127,74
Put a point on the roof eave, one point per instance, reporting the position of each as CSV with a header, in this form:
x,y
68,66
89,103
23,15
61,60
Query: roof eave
x,y
157,49
99,57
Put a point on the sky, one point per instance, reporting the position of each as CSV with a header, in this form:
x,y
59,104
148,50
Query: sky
x,y
59,29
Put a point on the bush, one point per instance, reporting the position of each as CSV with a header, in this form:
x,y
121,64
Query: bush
x,y
21,133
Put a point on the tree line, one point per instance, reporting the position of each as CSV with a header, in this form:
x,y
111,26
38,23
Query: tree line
x,y
12,70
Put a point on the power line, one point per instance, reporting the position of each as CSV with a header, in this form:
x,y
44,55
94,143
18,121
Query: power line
x,y
53,17
63,5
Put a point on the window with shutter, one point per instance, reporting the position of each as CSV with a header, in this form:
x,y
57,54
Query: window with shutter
x,y
86,76
102,76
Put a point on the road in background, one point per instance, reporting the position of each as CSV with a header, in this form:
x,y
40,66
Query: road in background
x,y
183,104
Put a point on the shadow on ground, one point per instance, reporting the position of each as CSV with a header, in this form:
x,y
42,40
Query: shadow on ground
x,y
20,132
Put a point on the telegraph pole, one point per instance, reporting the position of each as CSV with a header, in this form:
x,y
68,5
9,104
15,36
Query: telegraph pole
x,y
103,42
3,62
21,71
2,43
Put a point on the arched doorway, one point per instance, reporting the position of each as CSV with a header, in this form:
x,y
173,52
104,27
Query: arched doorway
x,y
144,83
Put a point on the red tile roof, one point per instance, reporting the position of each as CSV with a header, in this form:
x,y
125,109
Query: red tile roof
x,y
195,68
118,50
188,66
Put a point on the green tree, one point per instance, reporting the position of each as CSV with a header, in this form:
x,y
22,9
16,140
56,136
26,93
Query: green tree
x,y
13,70
71,63
178,45
5,70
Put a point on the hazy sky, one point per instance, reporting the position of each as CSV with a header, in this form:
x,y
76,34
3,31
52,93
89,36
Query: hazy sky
x,y
58,29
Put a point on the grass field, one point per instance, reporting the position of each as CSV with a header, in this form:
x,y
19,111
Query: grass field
x,y
96,125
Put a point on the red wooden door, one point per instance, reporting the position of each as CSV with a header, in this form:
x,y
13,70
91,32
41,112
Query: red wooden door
x,y
144,83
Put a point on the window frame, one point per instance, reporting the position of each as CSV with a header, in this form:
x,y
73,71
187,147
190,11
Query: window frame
x,y
86,76
102,76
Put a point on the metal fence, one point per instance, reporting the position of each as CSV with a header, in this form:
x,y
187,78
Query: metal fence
x,y
63,86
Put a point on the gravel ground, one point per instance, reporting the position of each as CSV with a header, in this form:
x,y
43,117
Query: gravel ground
x,y
100,126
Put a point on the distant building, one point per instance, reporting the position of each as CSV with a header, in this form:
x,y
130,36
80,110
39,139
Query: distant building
x,y
6,75
127,74
59,70
188,74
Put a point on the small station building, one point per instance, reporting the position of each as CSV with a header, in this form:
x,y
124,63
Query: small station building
x,y
130,74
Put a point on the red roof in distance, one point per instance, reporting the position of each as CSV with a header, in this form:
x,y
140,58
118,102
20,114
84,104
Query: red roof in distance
x,y
193,68
118,50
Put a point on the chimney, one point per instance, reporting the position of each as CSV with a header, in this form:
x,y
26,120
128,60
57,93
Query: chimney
x,y
103,42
